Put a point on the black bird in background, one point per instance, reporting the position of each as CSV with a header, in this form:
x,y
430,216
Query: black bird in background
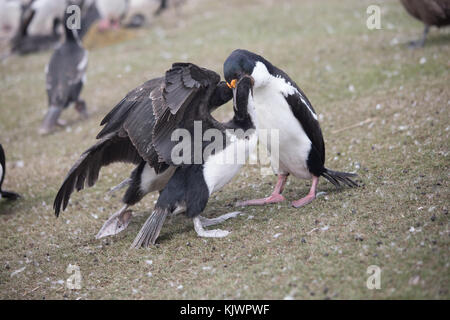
x,y
138,130
430,12
5,194
65,76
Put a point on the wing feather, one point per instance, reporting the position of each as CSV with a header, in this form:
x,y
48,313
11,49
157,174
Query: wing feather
x,y
108,150
305,114
139,127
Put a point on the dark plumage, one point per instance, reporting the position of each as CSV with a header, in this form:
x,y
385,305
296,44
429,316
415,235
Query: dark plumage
x,y
430,12
65,75
138,130
5,194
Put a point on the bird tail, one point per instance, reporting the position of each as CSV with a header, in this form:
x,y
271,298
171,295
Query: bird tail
x,y
338,178
9,195
151,228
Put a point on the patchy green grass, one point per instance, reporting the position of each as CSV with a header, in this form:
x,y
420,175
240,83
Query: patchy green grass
x,y
398,220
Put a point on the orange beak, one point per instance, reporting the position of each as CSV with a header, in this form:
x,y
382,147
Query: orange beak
x,y
232,85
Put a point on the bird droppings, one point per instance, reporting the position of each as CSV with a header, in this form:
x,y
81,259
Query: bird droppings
x,y
16,272
414,280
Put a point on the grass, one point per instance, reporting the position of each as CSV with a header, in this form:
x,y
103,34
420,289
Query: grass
x,y
398,220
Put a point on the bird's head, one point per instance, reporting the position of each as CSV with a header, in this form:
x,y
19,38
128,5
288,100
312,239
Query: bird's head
x,y
243,63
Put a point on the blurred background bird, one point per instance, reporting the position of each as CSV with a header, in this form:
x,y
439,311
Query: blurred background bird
x,y
36,25
431,13
65,76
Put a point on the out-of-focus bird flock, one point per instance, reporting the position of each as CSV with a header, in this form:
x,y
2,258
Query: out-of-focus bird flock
x,y
28,26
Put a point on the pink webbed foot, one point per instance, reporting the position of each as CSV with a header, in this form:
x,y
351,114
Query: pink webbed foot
x,y
311,195
274,198
303,201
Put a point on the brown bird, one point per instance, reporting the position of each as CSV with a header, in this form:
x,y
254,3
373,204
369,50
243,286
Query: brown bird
x,y
430,12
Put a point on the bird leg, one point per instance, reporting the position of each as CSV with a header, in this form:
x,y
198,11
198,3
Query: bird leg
x,y
201,222
274,197
210,222
421,42
50,120
116,223
120,186
178,210
311,195
80,106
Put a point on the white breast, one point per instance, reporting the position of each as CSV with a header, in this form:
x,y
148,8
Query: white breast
x,y
274,113
221,167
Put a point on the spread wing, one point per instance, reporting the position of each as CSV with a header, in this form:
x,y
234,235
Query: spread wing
x,y
185,88
148,116
87,168
139,127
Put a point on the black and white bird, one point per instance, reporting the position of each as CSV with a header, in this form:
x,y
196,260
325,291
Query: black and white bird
x,y
139,130
65,76
5,194
280,105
